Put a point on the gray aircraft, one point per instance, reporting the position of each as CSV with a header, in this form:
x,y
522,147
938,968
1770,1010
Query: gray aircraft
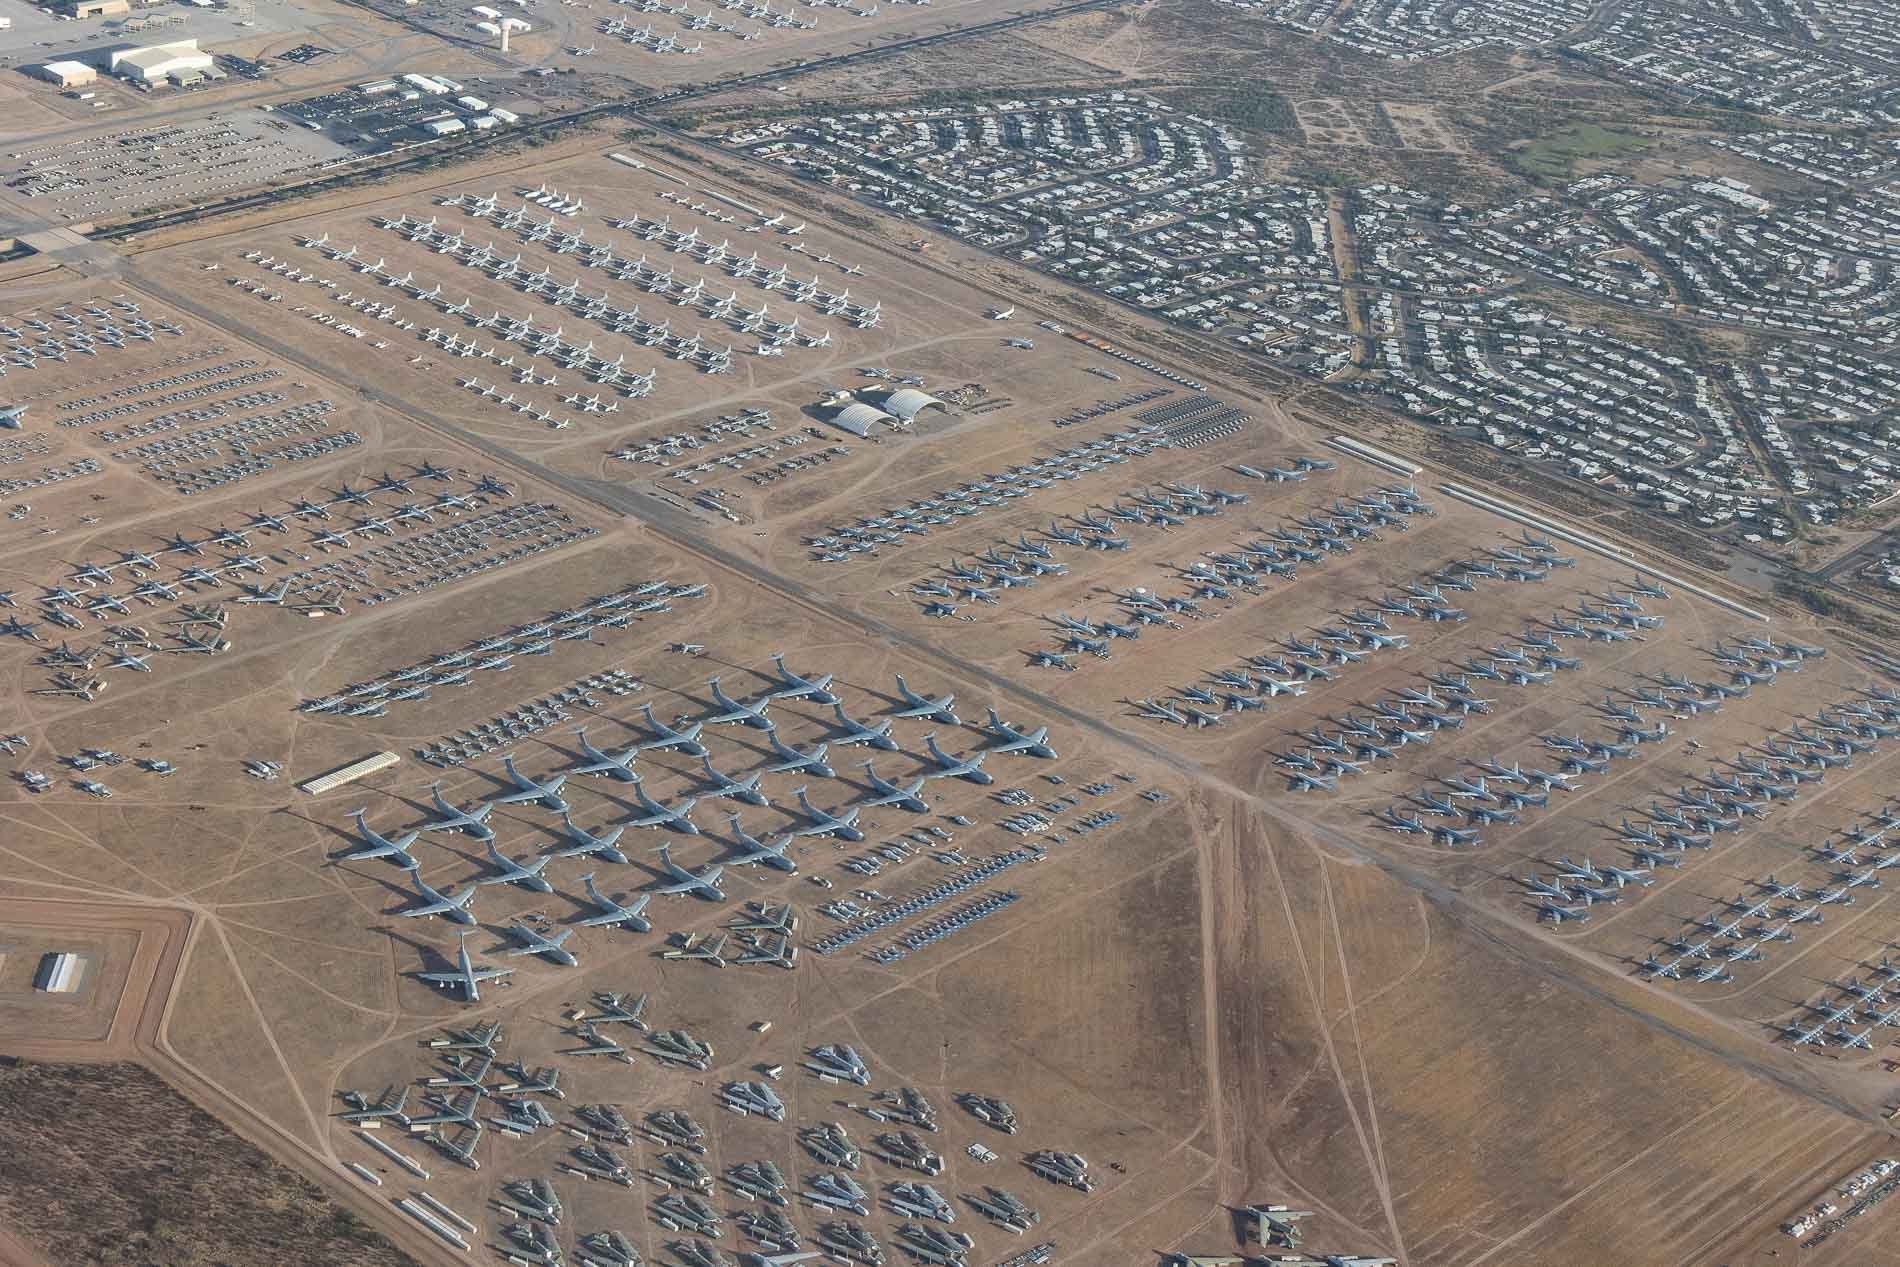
x,y
596,761
376,845
823,823
545,793
915,705
852,733
736,711
582,842
966,768
792,686
792,761
910,798
658,815
685,740
508,871
700,883
1033,743
470,822
455,908
611,913
746,789
771,853
553,949
467,975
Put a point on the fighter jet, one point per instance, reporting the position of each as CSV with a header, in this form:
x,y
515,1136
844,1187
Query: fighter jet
x,y
529,792
611,912
470,822
966,768
823,823
910,798
552,948
508,871
915,705
1033,743
376,845
701,883
454,908
467,976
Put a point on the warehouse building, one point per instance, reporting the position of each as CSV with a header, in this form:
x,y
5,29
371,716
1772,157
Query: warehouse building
x,y
179,61
348,773
68,74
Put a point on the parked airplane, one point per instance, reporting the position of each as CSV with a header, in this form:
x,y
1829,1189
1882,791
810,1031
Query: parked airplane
x,y
966,768
508,871
552,948
792,686
529,792
910,798
701,883
823,823
658,815
877,735
915,705
467,976
771,853
685,740
470,822
376,845
611,913
596,761
1033,743
583,842
454,907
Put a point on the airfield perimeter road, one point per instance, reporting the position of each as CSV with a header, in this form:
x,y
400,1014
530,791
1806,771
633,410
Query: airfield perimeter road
x,y
1552,959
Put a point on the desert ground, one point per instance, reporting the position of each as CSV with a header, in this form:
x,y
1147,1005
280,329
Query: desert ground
x,y
1231,992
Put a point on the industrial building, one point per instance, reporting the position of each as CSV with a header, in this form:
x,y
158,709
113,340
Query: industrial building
x,y
68,74
59,972
348,773
180,61
100,8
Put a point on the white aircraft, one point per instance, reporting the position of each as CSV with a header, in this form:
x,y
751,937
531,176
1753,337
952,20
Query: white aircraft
x,y
915,705
1001,314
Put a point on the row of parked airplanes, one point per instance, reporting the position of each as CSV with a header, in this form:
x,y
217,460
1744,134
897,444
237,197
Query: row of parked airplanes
x,y
1501,801
63,605
1721,802
1099,528
914,519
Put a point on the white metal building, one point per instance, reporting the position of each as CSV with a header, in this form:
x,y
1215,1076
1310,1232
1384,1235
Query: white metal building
x,y
59,972
179,59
